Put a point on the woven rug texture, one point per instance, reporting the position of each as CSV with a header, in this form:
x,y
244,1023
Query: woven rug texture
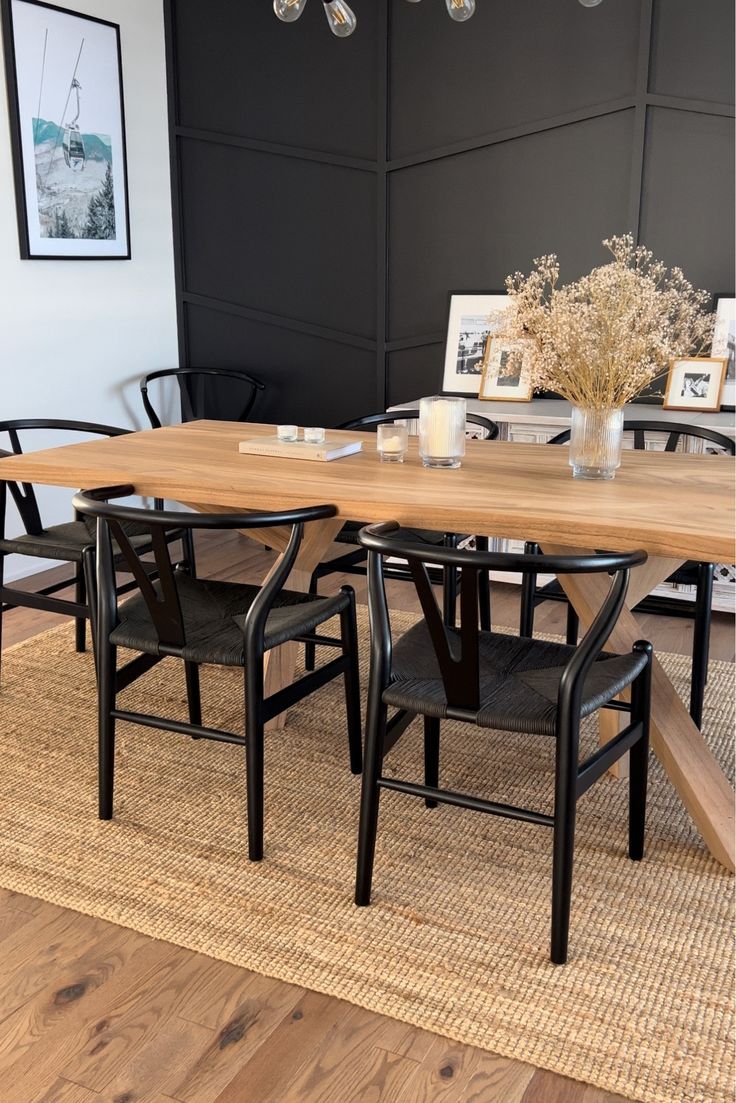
x,y
456,940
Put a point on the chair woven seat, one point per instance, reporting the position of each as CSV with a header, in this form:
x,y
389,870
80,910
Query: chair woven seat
x,y
66,542
348,534
519,679
213,615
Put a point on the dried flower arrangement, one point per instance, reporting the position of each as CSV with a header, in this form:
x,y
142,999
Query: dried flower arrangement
x,y
600,340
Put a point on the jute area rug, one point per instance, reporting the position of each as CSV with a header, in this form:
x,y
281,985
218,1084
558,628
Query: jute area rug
x,y
456,940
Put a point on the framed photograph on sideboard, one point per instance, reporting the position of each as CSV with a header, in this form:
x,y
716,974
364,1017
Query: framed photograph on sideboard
x,y
695,383
506,371
67,130
724,344
473,317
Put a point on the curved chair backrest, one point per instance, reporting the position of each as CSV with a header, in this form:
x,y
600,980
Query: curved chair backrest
x,y
163,604
674,431
23,494
372,421
193,391
457,650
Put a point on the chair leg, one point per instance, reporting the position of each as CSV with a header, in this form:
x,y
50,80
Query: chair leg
x,y
349,633
449,587
80,596
528,586
106,661
310,649
484,588
564,837
254,765
370,794
573,626
639,755
194,699
701,640
431,756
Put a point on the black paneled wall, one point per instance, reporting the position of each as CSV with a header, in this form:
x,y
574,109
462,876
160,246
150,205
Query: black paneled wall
x,y
329,193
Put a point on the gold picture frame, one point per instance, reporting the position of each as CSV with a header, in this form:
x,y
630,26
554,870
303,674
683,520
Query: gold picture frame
x,y
506,375
695,383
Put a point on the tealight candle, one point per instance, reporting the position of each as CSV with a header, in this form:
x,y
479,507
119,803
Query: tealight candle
x,y
391,442
287,432
314,435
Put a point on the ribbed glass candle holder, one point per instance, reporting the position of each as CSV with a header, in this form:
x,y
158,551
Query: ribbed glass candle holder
x,y
442,431
595,443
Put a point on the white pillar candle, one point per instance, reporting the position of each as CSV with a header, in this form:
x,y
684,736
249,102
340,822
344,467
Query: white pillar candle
x,y
442,431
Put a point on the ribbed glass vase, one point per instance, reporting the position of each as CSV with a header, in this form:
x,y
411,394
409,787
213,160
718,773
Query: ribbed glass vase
x,y
595,443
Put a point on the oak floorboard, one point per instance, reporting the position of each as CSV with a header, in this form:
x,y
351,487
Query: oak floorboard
x,y
452,1072
241,1026
129,1028
36,952
161,1059
64,1091
91,1017
53,1004
35,958
547,1087
273,1067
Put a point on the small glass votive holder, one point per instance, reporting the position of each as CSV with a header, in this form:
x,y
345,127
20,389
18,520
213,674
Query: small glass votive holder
x,y
314,435
392,441
442,430
287,432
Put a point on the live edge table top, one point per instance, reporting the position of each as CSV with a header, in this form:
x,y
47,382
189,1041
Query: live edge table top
x,y
670,504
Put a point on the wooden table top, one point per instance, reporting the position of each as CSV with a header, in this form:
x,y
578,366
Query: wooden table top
x,y
678,505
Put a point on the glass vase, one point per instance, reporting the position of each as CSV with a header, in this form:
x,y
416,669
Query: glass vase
x,y
595,443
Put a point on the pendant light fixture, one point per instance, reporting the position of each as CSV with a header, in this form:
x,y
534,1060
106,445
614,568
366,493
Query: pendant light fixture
x,y
341,18
460,10
342,21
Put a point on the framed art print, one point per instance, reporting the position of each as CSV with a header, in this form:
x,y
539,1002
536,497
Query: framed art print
x,y
724,344
695,383
65,96
473,317
506,371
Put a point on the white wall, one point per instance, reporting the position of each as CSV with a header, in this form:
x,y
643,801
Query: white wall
x,y
75,336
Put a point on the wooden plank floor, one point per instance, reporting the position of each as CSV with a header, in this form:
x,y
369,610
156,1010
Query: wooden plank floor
x,y
94,1013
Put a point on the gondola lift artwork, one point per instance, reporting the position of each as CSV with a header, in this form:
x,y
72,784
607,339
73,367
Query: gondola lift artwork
x,y
65,94
73,142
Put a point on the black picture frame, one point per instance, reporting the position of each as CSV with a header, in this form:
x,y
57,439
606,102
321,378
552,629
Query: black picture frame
x,y
27,251
445,390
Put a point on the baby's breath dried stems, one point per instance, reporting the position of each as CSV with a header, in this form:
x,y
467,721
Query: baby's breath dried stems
x,y
599,341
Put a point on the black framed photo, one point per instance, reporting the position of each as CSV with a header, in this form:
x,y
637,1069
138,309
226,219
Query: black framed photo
x,y
67,125
473,317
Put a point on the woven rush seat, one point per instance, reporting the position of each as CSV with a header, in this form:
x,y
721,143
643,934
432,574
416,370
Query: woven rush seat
x,y
519,679
213,617
348,534
66,541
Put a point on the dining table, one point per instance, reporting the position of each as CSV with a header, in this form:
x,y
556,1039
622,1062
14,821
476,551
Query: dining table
x,y
675,506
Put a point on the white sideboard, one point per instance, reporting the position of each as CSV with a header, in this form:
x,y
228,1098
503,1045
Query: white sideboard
x,y
538,421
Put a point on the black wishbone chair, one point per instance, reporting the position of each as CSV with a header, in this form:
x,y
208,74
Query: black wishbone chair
x,y
193,384
209,621
699,575
71,542
503,682
353,561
